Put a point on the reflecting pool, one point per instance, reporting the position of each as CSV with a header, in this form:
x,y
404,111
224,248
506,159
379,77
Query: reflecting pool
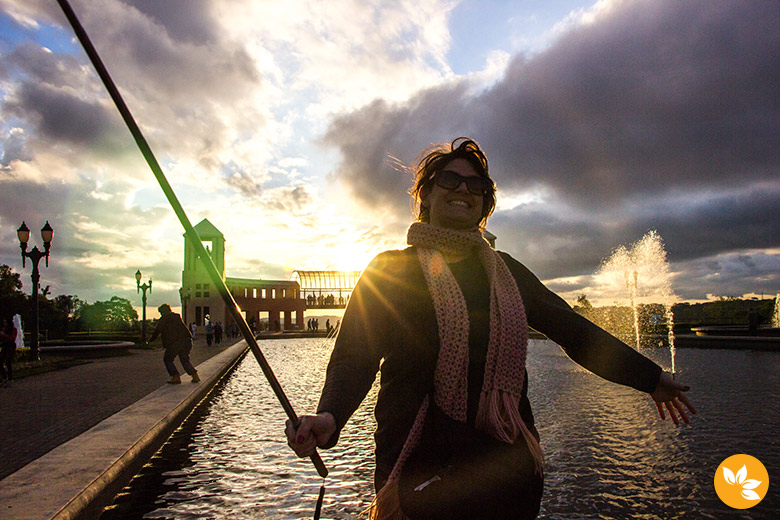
x,y
607,454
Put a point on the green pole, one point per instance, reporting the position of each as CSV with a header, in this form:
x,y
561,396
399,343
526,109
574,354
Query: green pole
x,y
208,264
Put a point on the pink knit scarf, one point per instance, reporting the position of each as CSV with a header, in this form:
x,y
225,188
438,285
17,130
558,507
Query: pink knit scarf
x,y
498,413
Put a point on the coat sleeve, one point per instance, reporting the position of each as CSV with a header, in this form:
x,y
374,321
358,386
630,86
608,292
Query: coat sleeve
x,y
357,352
157,330
9,337
583,341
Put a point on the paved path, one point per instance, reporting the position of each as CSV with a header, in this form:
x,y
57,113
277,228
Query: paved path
x,y
40,412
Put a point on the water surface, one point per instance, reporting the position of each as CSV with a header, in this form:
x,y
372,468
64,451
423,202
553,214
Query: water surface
x,y
607,454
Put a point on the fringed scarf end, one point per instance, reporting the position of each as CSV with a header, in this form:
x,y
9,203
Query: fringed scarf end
x,y
499,415
386,505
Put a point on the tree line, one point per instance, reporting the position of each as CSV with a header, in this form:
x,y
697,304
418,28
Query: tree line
x,y
725,310
61,314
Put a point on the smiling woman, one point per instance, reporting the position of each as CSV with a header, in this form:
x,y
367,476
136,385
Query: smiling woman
x,y
452,187
446,322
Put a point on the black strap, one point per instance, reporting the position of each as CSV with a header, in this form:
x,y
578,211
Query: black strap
x,y
318,509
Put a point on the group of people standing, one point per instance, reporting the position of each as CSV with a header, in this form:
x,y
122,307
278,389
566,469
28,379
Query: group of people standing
x,y
324,301
313,325
215,332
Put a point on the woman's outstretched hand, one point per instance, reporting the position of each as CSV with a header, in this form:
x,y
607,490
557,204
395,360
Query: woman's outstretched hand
x,y
312,432
669,394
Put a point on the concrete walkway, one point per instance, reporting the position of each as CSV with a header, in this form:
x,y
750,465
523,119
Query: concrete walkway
x,y
70,439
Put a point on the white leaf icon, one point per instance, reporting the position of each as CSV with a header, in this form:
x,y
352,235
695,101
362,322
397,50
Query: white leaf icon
x,y
729,475
750,494
751,484
742,475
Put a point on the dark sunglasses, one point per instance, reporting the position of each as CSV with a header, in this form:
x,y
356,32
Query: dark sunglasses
x,y
449,180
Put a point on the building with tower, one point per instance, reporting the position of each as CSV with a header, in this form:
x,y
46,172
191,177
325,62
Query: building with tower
x,y
277,304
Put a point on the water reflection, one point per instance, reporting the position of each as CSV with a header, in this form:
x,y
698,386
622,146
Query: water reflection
x,y
607,454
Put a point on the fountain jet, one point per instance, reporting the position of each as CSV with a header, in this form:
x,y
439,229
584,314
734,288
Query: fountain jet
x,y
642,271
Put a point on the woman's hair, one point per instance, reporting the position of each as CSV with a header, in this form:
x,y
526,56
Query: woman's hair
x,y
434,159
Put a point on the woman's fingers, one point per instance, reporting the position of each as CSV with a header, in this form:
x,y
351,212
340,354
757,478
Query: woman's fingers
x,y
671,412
681,410
301,439
676,407
670,394
687,403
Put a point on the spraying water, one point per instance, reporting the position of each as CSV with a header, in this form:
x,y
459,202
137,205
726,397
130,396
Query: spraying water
x,y
641,272
19,331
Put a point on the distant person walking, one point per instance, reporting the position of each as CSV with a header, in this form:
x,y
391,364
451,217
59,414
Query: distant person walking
x,y
209,333
177,341
7,351
218,333
193,329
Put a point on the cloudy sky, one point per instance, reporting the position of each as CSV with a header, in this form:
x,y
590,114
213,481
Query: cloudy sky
x,y
281,122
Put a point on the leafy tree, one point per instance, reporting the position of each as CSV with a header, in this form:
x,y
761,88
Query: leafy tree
x,y
67,304
12,299
9,281
114,314
56,315
584,303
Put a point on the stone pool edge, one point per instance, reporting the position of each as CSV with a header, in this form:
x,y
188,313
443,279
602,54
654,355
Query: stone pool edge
x,y
79,478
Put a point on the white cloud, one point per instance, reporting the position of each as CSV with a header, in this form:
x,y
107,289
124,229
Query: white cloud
x,y
233,97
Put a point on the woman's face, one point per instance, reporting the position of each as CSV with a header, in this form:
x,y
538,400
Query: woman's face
x,y
457,208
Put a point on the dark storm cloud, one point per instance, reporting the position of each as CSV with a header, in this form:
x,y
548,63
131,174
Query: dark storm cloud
x,y
657,115
732,275
49,204
43,66
654,95
187,85
374,137
60,115
557,243
741,220
651,96
150,58
184,20
50,95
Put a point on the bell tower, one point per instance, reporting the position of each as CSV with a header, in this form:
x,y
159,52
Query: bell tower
x,y
199,295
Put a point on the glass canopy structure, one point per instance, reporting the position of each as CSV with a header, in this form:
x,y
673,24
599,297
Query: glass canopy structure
x,y
326,289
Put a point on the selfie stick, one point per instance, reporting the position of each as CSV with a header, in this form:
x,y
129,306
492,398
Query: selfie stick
x,y
190,232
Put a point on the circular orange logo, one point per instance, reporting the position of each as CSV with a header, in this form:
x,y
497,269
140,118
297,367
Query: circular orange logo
x,y
741,481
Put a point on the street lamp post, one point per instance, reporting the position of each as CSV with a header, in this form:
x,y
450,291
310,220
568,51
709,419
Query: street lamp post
x,y
185,297
143,287
35,254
